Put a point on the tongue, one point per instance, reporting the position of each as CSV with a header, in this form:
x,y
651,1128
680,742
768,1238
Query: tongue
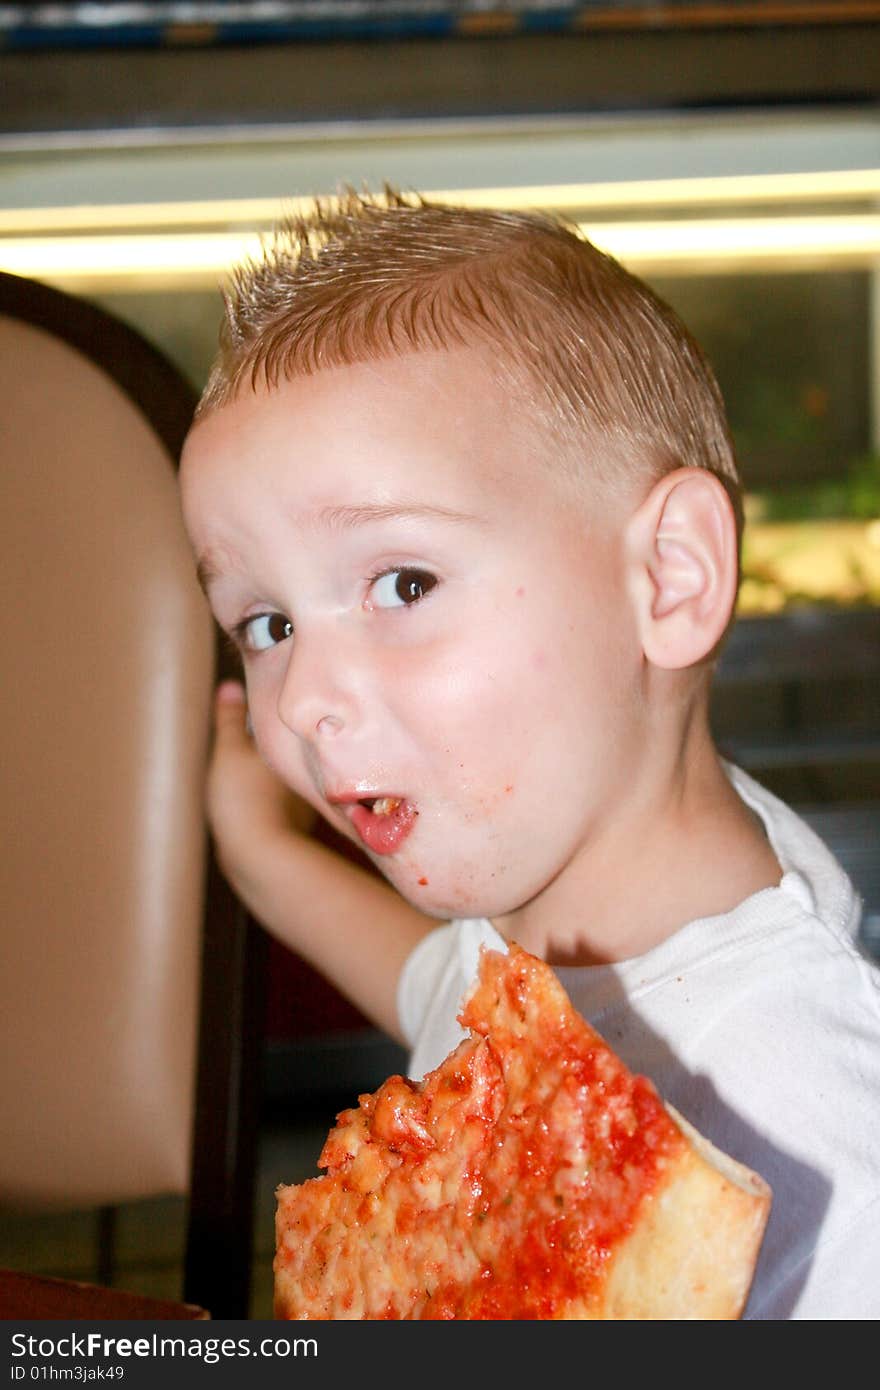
x,y
383,834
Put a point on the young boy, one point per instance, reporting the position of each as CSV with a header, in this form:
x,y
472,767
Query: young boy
x,y
463,495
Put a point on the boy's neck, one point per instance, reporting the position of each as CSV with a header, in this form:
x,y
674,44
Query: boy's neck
x,y
686,847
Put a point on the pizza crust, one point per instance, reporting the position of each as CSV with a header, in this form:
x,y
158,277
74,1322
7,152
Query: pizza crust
x,y
531,1175
692,1254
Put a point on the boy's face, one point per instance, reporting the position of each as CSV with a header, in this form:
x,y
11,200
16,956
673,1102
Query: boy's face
x,y
428,617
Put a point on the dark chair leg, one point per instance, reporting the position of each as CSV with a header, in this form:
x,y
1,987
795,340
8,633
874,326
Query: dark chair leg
x,y
105,1252
220,1226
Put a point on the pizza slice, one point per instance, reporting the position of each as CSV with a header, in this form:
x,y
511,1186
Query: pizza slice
x,y
531,1175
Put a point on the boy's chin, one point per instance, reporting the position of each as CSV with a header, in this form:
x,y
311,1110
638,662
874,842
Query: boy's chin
x,y
453,905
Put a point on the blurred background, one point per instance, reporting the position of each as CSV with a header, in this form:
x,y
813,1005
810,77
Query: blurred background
x,y
727,152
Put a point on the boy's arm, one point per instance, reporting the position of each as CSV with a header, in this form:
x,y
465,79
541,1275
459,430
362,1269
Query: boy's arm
x,y
349,924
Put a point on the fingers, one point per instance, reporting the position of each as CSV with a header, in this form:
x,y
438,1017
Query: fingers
x,y
230,710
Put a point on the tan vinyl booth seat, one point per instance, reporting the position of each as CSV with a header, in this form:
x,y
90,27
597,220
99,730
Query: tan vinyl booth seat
x,y
110,664
103,712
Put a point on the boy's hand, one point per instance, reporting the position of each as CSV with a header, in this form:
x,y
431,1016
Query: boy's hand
x,y
248,806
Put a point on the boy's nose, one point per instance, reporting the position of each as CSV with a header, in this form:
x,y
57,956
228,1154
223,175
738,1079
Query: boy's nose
x,y
329,724
313,702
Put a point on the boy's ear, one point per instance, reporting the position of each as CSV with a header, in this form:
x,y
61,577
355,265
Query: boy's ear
x,y
683,567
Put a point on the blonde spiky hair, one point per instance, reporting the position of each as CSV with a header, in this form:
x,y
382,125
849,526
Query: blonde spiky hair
x,y
597,354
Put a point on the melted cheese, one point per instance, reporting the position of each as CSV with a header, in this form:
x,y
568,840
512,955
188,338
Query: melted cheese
x,y
496,1188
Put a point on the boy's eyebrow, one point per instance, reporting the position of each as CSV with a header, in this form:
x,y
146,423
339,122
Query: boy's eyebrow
x,y
214,564
343,518
348,517
206,573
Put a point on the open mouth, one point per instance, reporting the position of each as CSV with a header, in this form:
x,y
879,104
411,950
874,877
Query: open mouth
x,y
381,805
383,822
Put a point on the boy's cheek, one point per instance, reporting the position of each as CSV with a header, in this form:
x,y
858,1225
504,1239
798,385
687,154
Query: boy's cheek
x,y
281,756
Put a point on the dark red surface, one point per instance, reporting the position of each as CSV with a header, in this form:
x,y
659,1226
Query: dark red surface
x,y
26,1297
301,1003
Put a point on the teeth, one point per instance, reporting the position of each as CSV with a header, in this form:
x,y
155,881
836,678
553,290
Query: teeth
x,y
385,805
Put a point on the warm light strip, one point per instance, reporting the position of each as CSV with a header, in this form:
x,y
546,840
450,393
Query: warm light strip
x,y
679,244
691,242
833,185
113,257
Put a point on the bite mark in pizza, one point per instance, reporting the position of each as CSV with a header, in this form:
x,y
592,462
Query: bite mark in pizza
x,y
530,1176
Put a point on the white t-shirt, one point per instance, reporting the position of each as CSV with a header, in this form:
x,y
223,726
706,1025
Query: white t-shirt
x,y
762,1027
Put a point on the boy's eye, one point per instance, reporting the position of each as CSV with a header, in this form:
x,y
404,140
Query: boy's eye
x,y
265,630
400,587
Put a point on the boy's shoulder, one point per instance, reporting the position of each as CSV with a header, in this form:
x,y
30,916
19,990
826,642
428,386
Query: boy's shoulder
x,y
810,869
